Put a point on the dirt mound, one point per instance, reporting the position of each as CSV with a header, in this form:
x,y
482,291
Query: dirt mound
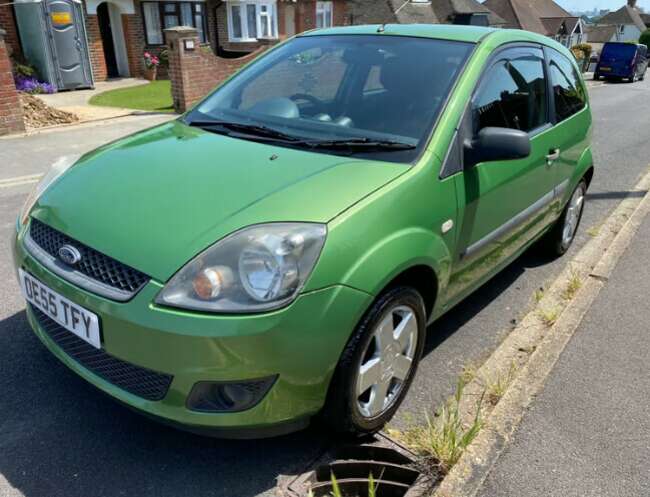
x,y
38,114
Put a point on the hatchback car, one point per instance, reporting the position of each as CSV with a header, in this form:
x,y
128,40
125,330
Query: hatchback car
x,y
622,60
276,254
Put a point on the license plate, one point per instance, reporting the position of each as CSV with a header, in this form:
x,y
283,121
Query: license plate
x,y
606,69
71,316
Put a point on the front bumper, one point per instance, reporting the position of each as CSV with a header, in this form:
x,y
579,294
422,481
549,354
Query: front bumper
x,y
301,344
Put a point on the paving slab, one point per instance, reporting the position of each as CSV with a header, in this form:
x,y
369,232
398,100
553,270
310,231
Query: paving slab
x,y
588,432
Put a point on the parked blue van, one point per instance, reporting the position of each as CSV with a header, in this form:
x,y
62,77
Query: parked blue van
x,y
622,60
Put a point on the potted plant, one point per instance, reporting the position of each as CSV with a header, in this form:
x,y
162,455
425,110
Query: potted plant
x,y
151,63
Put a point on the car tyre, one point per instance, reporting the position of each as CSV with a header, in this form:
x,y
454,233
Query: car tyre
x,y
349,412
560,237
596,76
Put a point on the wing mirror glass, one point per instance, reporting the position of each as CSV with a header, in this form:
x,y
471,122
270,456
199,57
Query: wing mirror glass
x,y
497,144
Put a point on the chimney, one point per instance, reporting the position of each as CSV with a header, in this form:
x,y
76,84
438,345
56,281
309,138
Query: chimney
x,y
632,3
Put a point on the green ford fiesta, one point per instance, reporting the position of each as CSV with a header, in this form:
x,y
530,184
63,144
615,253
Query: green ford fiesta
x,y
275,255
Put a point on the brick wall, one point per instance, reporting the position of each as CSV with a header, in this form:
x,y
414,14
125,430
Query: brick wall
x,y
11,111
195,73
96,48
134,40
8,23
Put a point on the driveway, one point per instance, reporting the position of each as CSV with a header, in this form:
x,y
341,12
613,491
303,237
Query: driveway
x,y
61,437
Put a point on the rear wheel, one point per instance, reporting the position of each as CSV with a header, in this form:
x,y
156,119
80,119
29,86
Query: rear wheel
x,y
559,239
378,364
596,76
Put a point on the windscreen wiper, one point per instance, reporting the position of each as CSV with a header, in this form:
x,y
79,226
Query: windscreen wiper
x,y
249,129
361,144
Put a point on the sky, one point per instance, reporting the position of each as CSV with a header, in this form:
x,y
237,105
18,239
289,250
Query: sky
x,y
599,4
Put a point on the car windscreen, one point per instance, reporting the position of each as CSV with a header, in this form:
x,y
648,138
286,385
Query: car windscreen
x,y
374,96
618,51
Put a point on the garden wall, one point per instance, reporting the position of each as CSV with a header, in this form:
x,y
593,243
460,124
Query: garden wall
x,y
11,112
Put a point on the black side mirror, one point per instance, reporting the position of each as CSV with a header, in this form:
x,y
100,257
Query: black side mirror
x,y
497,144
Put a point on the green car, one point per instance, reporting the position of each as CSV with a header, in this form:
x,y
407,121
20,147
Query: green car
x,y
275,255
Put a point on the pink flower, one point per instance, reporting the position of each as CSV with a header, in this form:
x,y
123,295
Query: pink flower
x,y
147,55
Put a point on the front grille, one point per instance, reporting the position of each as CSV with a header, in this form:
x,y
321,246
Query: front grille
x,y
134,379
93,264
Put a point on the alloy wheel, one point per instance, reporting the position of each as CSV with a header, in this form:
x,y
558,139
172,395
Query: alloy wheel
x,y
573,214
387,361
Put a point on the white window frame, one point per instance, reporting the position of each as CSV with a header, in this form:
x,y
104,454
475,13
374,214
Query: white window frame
x,y
270,18
325,10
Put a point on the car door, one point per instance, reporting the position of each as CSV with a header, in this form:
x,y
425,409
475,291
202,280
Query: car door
x,y
569,137
504,204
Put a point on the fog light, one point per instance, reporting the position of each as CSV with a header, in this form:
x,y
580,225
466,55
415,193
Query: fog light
x,y
230,396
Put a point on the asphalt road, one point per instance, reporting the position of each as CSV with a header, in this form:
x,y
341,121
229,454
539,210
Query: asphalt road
x,y
61,437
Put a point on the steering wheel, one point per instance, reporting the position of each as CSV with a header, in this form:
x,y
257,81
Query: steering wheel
x,y
309,98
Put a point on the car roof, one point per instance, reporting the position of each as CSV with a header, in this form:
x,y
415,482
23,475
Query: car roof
x,y
470,34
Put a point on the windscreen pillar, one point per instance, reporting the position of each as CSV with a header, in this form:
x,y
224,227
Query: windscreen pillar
x,y
11,111
194,70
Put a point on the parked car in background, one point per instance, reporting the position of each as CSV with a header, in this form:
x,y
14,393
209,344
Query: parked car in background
x,y
623,61
277,253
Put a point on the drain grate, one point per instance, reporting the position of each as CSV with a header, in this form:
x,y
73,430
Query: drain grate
x,y
391,465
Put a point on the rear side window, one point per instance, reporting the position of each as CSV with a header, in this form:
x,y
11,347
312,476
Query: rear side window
x,y
568,92
513,93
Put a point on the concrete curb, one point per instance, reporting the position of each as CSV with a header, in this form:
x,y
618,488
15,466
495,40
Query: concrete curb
x,y
534,347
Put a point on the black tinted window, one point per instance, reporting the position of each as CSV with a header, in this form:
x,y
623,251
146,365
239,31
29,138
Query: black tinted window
x,y
568,92
513,95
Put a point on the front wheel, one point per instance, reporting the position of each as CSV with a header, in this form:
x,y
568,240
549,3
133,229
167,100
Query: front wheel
x,y
378,364
559,239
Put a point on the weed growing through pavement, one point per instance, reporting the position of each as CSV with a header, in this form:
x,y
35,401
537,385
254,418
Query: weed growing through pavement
x,y
548,316
573,286
497,385
336,490
443,439
538,295
594,231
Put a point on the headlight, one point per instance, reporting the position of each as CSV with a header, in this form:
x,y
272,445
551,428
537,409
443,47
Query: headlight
x,y
255,269
57,169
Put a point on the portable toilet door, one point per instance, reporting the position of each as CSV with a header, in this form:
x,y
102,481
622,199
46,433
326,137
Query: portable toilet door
x,y
68,44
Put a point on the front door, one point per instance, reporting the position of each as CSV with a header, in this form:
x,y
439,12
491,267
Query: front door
x,y
105,31
69,49
504,204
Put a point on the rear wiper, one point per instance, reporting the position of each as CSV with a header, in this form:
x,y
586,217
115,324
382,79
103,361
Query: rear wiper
x,y
361,144
251,129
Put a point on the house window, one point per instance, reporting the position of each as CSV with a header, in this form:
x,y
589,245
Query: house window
x,y
251,20
158,16
324,14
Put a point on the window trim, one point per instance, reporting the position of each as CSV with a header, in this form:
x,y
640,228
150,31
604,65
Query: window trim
x,y
243,4
323,8
553,110
177,12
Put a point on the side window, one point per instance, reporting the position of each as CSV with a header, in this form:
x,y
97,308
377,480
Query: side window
x,y
568,92
513,94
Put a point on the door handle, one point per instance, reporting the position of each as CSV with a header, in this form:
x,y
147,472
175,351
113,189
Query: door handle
x,y
554,154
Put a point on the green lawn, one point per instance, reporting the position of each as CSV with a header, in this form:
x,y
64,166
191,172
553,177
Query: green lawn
x,y
154,96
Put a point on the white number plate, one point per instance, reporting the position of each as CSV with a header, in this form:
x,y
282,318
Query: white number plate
x,y
71,316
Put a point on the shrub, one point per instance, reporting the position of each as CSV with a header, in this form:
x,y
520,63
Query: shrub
x,y
644,39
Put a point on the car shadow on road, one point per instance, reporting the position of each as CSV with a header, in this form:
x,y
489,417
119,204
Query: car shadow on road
x,y
59,436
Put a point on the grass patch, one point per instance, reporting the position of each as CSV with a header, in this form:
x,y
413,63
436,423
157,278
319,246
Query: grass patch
x,y
154,96
442,440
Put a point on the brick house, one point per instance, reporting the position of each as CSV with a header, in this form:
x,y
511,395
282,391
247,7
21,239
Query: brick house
x,y
120,31
541,16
